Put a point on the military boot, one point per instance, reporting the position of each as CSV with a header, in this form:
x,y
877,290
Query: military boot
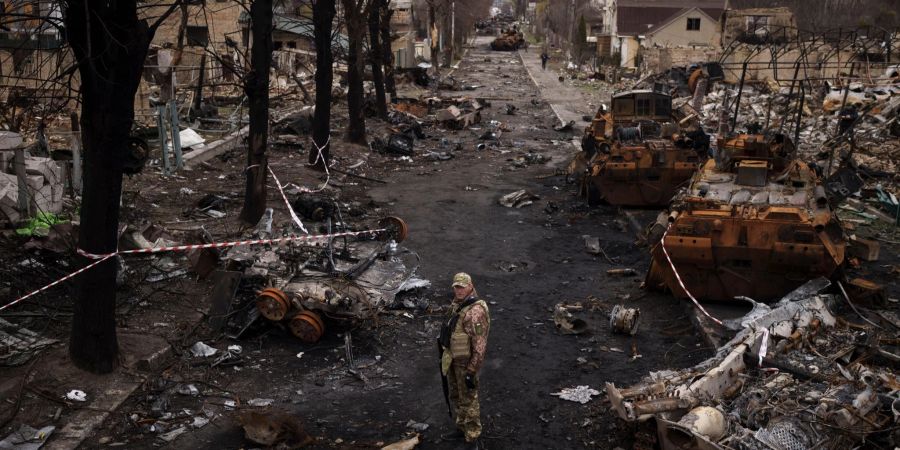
x,y
474,445
454,435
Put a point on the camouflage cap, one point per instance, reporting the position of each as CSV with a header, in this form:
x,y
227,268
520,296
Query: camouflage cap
x,y
461,279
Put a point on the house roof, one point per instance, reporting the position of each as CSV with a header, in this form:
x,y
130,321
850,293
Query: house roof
x,y
293,25
637,20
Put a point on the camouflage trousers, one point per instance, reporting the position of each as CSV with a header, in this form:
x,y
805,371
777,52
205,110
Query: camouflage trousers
x,y
465,403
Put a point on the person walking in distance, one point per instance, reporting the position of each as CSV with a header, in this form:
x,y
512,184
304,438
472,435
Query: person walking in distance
x,y
544,58
463,342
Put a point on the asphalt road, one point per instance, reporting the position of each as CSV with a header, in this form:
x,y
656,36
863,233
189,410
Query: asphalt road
x,y
524,261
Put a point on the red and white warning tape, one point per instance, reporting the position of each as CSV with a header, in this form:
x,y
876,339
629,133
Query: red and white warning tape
x,y
184,248
71,275
662,244
287,203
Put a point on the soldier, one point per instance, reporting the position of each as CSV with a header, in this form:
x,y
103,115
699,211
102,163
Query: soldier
x,y
463,343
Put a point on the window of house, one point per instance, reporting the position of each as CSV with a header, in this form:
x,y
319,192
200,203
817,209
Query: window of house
x,y
757,24
197,35
693,24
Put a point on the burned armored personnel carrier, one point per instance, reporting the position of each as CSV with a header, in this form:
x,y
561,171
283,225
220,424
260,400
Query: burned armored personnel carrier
x,y
309,286
509,40
754,222
640,152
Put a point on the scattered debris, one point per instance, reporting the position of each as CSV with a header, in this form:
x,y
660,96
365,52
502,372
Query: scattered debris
x,y
20,344
201,350
518,199
565,322
76,395
580,394
407,444
27,438
626,272
624,320
773,381
260,402
274,427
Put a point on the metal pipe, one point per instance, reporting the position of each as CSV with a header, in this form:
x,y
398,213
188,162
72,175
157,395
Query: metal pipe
x,y
161,126
790,92
176,136
837,131
737,101
800,102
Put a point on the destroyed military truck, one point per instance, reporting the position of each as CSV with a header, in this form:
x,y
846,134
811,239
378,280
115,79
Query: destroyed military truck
x,y
337,281
640,152
754,222
509,40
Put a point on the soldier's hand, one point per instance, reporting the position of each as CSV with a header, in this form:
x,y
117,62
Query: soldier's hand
x,y
470,380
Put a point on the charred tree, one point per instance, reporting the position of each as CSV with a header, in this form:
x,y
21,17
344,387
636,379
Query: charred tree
x,y
256,87
323,15
110,44
356,13
387,53
376,58
433,32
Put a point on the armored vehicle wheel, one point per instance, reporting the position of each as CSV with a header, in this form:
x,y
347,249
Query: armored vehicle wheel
x,y
272,304
396,228
307,326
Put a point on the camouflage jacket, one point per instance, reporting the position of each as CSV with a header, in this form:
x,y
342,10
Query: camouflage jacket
x,y
476,322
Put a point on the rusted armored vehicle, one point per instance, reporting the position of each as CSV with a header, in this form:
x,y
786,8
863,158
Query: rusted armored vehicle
x,y
313,285
640,152
754,222
509,40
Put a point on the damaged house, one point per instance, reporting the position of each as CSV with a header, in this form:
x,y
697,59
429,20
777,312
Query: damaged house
x,y
656,35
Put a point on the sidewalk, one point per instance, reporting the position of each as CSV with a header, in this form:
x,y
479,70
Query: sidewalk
x,y
567,101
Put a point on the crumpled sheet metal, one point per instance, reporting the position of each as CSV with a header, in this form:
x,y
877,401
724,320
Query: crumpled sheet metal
x,y
720,373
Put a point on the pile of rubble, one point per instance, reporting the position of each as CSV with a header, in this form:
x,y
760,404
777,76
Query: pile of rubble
x,y
40,180
795,376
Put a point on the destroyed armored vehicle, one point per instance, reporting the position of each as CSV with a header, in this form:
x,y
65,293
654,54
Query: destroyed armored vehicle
x,y
349,282
793,376
754,222
509,40
640,152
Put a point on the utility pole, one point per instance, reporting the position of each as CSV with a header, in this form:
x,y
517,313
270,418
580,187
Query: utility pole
x,y
572,31
452,30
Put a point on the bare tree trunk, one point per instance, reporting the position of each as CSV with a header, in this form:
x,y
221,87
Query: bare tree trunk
x,y
433,33
197,104
256,86
355,20
323,15
110,44
387,52
376,58
448,44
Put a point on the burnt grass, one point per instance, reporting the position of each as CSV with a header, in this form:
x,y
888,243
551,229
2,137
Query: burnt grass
x,y
523,261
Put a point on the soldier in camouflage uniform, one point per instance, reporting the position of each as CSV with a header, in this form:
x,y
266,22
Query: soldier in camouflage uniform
x,y
464,341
